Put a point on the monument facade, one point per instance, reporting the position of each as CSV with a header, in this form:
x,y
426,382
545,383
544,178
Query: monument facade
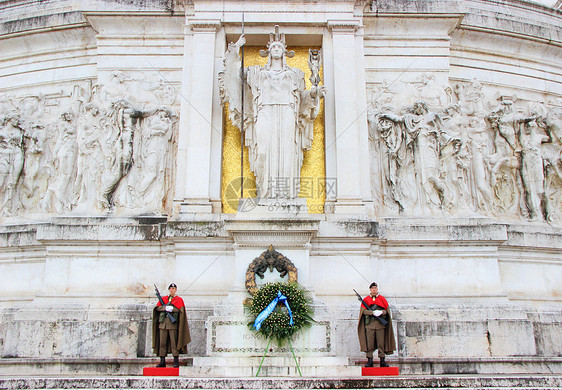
x,y
437,168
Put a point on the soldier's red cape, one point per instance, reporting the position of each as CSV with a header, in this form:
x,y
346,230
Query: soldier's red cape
x,y
176,301
379,301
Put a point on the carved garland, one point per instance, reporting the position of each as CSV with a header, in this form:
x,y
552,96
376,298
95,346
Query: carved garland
x,y
268,260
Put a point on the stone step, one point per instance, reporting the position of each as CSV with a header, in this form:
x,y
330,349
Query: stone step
x,y
282,361
408,365
271,371
281,366
502,382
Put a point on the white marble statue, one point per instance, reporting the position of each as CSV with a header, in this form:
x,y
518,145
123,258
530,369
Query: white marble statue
x,y
278,115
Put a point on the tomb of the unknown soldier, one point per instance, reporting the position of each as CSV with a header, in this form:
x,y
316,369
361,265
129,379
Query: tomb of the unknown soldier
x,y
280,194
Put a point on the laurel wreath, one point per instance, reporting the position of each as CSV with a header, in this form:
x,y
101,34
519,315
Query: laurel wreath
x,y
276,326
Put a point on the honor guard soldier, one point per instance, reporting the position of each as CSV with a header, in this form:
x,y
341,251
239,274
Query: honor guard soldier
x,y
375,327
170,330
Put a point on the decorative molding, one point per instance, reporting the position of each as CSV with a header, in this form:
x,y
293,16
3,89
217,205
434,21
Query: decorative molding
x,y
343,26
282,239
204,25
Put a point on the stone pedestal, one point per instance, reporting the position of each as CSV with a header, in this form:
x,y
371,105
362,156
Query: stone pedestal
x,y
235,350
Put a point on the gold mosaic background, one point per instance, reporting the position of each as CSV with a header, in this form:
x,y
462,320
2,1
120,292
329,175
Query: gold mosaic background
x,y
313,169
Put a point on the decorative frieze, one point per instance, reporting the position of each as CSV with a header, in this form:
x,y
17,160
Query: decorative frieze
x,y
450,150
107,149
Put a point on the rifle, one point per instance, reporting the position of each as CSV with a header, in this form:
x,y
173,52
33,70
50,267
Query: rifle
x,y
170,316
379,318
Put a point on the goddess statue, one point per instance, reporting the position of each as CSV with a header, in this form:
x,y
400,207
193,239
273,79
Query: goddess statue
x,y
278,113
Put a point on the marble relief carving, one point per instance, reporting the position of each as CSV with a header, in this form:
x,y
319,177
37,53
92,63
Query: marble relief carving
x,y
97,149
437,150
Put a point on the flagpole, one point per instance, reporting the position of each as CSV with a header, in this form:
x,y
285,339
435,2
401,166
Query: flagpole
x,y
242,121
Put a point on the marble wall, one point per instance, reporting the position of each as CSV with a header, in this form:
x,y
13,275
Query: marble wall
x,y
442,131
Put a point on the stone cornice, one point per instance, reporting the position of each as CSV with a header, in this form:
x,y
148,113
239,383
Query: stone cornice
x,y
343,26
204,25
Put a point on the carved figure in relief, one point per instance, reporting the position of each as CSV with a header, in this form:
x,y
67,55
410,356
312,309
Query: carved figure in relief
x,y
505,175
35,173
279,115
504,119
61,195
454,163
392,136
89,150
11,161
424,129
77,161
397,160
118,150
127,103
552,157
146,187
552,152
470,97
532,167
498,162
117,97
480,167
432,93
454,157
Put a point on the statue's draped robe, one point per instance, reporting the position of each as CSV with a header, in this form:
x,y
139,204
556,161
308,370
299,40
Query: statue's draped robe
x,y
279,115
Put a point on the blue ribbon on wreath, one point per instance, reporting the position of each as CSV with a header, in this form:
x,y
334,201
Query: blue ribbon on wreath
x,y
269,309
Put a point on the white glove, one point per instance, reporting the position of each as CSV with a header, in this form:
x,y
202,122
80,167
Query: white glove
x,y
377,313
169,308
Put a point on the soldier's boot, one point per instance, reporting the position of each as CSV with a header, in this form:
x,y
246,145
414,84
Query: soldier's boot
x,y
369,362
162,362
383,363
176,361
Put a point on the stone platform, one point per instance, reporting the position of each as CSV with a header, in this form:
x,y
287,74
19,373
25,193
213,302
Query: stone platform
x,y
125,367
404,382
278,366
